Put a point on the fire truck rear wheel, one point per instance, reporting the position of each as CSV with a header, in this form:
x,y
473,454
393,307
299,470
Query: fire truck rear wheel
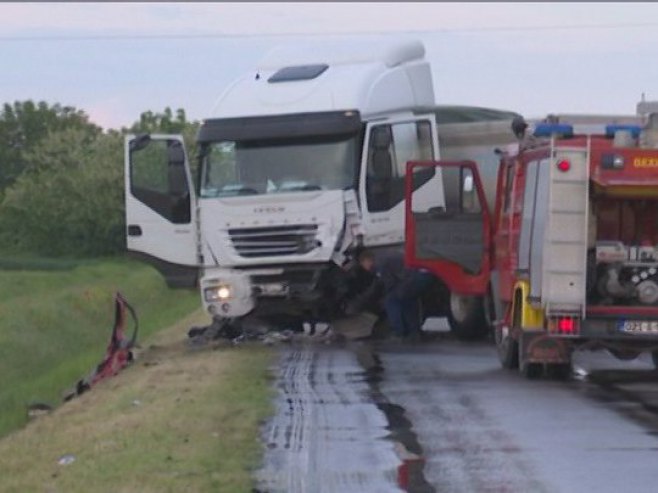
x,y
507,348
466,317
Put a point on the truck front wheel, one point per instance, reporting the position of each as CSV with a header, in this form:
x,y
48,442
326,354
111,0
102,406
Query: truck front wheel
x,y
466,316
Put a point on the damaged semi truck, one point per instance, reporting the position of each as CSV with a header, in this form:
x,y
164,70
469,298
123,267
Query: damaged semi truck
x,y
303,160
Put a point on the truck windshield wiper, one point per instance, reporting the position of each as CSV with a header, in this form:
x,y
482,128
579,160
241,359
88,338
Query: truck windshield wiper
x,y
237,190
300,188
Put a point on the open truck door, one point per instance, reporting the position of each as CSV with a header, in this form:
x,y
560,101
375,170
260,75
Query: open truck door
x,y
448,232
160,206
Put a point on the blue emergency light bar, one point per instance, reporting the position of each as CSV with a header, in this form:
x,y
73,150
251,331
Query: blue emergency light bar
x,y
633,129
549,129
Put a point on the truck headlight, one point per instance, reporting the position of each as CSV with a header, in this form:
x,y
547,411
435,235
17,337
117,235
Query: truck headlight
x,y
222,292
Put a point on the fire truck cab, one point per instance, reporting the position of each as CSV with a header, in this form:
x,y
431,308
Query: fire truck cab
x,y
565,254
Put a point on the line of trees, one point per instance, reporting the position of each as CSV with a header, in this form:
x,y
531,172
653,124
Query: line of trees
x,y
61,178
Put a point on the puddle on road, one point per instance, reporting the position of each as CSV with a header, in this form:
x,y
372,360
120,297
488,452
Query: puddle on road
x,y
411,477
326,434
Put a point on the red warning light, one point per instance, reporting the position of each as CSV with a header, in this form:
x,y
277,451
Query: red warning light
x,y
564,165
566,325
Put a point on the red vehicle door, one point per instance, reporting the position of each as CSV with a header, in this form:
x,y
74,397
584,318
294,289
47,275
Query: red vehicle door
x,y
448,230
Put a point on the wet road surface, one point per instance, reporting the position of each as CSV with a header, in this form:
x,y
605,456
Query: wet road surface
x,y
444,417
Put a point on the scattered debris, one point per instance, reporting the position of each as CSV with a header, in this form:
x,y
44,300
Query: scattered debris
x,y
119,351
37,409
224,329
66,460
355,327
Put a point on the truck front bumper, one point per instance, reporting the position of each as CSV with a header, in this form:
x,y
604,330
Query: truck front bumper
x,y
231,293
226,293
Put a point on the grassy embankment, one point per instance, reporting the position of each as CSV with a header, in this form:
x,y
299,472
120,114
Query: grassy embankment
x,y
177,420
55,322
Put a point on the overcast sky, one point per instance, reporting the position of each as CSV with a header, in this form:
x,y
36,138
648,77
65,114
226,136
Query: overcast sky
x,y
116,60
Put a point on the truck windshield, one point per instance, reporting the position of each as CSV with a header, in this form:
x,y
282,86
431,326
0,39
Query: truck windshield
x,y
231,168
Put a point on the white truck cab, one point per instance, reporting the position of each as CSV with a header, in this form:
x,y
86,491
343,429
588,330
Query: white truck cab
x,y
303,159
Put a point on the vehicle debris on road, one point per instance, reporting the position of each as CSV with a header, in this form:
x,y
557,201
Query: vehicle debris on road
x,y
119,351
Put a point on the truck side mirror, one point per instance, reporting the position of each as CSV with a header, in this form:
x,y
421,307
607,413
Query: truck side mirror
x,y
175,153
467,184
470,202
139,142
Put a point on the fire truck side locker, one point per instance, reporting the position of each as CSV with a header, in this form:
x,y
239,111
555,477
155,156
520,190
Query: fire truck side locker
x,y
563,272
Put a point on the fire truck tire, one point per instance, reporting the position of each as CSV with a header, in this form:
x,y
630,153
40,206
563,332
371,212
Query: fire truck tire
x,y
467,318
507,348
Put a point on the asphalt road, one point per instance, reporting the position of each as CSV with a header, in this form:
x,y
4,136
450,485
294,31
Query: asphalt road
x,y
444,417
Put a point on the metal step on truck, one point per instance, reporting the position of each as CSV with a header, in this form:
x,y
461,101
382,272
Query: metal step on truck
x,y
563,251
303,159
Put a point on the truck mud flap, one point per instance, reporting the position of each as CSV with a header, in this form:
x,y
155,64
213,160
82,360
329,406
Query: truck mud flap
x,y
540,347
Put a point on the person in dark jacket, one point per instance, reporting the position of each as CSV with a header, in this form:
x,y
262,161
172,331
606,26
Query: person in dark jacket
x,y
364,290
403,288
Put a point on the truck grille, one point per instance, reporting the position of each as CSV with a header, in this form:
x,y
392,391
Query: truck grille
x,y
274,241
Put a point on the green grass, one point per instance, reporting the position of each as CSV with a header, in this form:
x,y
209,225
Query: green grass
x,y
195,428
55,323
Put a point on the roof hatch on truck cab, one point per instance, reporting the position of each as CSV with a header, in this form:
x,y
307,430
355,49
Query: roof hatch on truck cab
x,y
298,72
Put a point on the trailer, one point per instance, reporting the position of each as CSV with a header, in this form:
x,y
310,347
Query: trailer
x,y
565,256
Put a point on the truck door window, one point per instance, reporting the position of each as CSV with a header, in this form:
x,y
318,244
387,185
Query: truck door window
x,y
390,148
454,232
158,179
528,215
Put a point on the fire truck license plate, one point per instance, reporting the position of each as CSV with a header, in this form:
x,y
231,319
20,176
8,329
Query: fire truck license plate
x,y
639,326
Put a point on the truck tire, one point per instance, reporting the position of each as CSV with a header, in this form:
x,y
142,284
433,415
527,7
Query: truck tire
x,y
506,346
467,318
508,350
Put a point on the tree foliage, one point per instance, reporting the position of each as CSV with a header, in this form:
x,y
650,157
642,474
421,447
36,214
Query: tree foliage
x,y
70,202
24,124
65,194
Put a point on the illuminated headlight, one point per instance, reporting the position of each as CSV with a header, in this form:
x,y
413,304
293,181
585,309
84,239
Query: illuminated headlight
x,y
222,292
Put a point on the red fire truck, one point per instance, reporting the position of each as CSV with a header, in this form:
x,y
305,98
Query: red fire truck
x,y
563,252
